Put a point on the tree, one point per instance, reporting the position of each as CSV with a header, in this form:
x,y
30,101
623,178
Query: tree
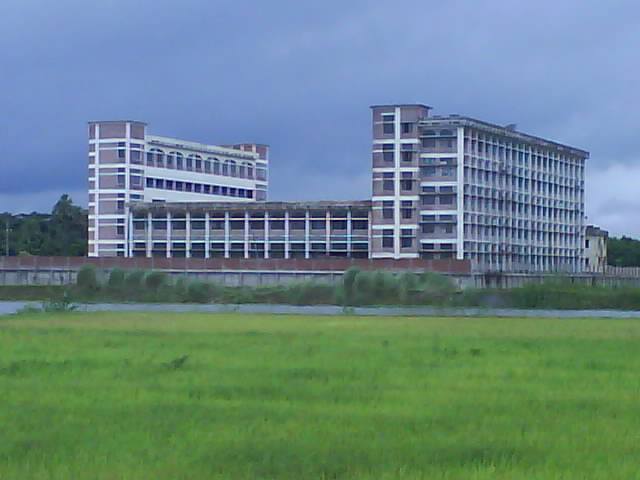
x,y
63,232
623,252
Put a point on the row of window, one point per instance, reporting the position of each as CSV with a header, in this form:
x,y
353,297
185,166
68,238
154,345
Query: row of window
x,y
195,163
206,189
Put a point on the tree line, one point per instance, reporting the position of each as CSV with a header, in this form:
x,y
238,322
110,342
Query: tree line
x,y
63,232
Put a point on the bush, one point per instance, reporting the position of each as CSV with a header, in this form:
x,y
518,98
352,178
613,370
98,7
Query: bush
x,y
116,279
199,292
133,281
348,283
87,280
155,280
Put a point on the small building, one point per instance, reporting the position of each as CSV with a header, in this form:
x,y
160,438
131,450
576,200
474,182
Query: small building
x,y
595,249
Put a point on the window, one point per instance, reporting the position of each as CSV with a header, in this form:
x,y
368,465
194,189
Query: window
x,y
387,210
406,238
406,184
150,182
233,169
407,156
446,199
225,168
407,127
388,128
407,213
428,228
387,238
387,185
207,166
120,230
430,200
179,161
429,142
428,171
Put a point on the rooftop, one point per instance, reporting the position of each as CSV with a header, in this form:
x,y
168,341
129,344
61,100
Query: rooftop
x,y
202,207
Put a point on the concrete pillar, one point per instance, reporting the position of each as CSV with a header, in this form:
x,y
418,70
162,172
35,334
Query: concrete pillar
x,y
149,235
246,234
226,235
129,236
287,244
307,234
327,232
207,235
187,229
266,234
349,232
168,234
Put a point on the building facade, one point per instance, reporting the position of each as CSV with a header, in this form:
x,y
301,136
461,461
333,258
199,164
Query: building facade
x,y
456,187
250,230
443,188
595,248
128,165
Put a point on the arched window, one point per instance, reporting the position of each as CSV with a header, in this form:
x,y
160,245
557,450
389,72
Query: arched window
x,y
179,161
216,166
208,165
248,170
171,159
233,169
155,157
225,168
191,160
197,163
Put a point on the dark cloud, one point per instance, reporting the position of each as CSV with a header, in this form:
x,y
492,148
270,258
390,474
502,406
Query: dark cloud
x,y
301,75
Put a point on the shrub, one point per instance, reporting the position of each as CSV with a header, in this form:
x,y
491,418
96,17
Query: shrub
x,y
348,283
116,279
87,280
199,292
155,280
133,281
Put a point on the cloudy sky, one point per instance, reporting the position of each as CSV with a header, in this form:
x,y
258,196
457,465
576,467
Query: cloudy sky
x,y
300,76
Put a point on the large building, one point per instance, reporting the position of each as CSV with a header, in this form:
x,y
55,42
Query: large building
x,y
444,188
455,187
128,165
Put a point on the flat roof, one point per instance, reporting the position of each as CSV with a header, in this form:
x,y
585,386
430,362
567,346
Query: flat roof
x,y
402,105
460,120
247,206
117,121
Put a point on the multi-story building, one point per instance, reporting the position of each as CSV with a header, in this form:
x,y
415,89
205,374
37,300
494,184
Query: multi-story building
x,y
250,230
444,187
127,165
455,187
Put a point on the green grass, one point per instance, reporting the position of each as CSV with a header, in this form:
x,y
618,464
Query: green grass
x,y
163,396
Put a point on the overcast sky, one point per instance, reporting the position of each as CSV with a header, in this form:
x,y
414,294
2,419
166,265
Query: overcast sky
x,y
300,76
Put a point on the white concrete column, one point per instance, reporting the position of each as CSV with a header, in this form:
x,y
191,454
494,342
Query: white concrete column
x,y
168,234
129,236
149,235
287,245
187,229
226,235
246,234
327,232
370,233
307,234
207,235
266,235
349,232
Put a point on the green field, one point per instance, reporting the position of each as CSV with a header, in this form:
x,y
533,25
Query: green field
x,y
148,396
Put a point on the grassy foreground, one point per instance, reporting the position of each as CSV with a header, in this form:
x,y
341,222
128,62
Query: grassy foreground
x,y
147,396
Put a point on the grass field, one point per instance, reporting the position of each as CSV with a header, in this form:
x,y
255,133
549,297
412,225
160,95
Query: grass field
x,y
147,396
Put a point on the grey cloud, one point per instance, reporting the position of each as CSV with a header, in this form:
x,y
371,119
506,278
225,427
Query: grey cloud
x,y
301,75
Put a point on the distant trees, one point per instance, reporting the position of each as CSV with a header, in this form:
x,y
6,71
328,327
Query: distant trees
x,y
623,252
61,233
